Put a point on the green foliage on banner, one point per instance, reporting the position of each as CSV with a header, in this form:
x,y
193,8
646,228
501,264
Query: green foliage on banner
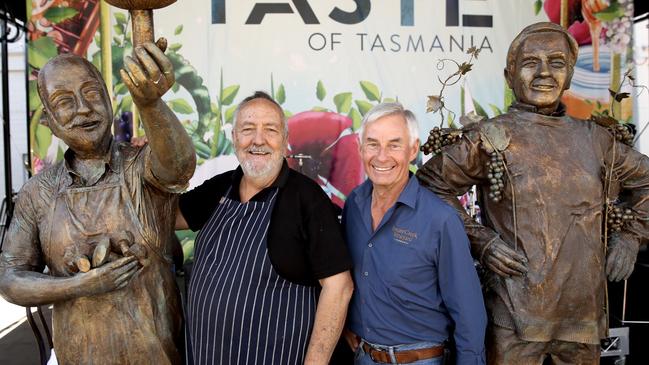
x,y
496,110
538,5
343,102
43,139
34,100
60,14
126,103
120,18
364,106
229,114
175,47
371,91
40,51
509,97
228,94
612,12
187,239
450,121
280,96
178,30
320,91
356,118
180,106
479,109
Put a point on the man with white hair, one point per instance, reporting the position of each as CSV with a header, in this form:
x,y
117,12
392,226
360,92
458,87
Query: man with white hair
x,y
269,237
414,276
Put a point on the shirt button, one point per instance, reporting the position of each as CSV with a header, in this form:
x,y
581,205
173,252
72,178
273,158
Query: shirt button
x,y
370,244
366,273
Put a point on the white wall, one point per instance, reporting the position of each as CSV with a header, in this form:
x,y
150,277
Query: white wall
x,y
17,117
641,102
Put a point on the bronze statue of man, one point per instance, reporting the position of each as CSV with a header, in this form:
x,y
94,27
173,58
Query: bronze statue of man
x,y
545,179
99,220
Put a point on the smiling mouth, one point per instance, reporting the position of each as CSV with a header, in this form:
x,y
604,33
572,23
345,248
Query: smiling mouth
x,y
88,124
382,169
259,153
543,87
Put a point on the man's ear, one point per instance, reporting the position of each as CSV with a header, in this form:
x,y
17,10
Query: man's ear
x,y
566,86
414,150
45,118
508,78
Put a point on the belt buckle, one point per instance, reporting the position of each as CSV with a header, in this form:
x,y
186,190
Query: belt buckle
x,y
370,353
376,350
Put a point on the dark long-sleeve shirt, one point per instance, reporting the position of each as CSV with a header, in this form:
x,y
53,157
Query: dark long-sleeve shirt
x,y
557,166
414,276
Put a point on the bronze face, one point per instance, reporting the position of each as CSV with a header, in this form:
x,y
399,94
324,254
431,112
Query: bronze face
x,y
542,70
77,104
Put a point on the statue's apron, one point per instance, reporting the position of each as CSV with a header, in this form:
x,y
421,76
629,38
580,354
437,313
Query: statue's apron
x,y
138,324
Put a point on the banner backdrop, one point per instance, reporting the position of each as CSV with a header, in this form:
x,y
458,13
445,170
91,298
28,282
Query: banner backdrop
x,y
327,63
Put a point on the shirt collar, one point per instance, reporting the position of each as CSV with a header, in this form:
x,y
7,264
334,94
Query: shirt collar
x,y
279,182
408,196
110,160
559,112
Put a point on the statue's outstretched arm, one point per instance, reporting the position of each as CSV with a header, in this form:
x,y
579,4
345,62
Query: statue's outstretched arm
x,y
149,75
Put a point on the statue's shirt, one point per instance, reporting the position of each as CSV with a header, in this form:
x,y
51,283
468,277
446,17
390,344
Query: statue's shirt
x,y
557,168
57,212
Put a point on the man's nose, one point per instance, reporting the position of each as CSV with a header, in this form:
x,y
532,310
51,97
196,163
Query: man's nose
x,y
383,153
544,68
259,137
83,108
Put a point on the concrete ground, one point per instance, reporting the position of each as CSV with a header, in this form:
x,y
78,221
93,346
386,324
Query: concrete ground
x,y
17,342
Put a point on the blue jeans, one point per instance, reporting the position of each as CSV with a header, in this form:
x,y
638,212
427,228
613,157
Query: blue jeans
x,y
363,358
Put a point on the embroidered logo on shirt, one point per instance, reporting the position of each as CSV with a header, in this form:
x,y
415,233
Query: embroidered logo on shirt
x,y
403,235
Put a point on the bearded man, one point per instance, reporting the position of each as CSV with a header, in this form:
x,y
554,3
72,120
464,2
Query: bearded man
x,y
268,241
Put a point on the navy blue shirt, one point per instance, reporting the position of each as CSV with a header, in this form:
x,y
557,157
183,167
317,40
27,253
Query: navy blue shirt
x,y
414,276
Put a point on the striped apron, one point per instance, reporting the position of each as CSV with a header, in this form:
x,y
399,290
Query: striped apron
x,y
240,311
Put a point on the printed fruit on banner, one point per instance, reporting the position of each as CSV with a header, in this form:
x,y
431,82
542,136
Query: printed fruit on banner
x,y
328,138
578,27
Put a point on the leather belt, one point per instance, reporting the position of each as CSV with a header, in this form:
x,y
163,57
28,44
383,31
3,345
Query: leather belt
x,y
402,357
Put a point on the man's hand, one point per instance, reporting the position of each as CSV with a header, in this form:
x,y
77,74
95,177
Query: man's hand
x,y
352,339
139,141
503,260
112,276
148,75
620,259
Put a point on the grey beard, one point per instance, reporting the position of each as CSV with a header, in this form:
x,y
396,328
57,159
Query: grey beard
x,y
249,168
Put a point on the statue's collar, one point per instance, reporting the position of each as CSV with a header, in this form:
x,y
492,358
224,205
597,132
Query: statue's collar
x,y
110,160
559,112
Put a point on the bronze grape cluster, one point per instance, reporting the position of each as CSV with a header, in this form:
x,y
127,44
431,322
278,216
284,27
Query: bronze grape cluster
x,y
438,138
496,176
624,133
619,216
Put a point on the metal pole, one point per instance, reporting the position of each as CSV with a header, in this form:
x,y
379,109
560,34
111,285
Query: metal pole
x,y
4,33
27,106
